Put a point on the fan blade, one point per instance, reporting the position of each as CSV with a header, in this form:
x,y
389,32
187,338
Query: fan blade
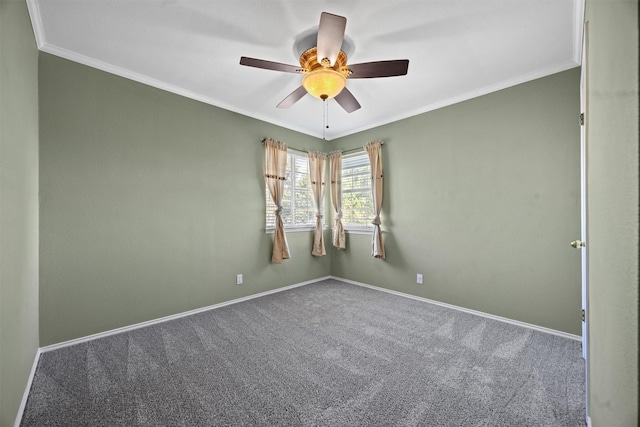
x,y
347,101
268,65
368,70
330,36
293,97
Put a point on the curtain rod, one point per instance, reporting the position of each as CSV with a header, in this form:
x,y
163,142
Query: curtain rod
x,y
288,146
343,151
357,149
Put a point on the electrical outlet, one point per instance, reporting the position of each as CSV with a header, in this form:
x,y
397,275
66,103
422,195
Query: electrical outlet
x,y
239,279
419,279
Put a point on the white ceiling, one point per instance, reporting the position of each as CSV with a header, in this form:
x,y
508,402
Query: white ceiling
x,y
457,50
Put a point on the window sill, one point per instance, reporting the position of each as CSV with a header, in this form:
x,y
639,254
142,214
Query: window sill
x,y
296,229
359,230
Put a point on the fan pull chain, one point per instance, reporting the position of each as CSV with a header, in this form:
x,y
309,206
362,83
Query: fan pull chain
x,y
324,119
326,125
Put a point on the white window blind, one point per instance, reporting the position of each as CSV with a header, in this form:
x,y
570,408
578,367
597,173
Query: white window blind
x,y
357,201
298,208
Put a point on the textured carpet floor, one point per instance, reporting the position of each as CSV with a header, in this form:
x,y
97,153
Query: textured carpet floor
x,y
329,354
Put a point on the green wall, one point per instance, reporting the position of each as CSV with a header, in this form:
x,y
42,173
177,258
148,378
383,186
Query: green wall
x,y
612,123
483,198
151,203
18,205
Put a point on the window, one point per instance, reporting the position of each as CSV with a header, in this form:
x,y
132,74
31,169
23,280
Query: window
x,y
357,202
298,207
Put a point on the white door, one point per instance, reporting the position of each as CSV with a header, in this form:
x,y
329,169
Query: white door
x,y
582,243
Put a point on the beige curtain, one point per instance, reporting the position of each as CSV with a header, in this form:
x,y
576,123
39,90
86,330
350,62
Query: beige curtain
x,y
275,166
335,172
317,165
374,150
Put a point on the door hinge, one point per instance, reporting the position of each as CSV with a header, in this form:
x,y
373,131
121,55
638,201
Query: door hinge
x,y
581,119
582,314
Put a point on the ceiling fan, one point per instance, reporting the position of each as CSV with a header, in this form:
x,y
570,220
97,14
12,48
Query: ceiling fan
x,y
325,67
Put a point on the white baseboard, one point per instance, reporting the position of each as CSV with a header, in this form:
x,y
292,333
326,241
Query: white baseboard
x,y
172,317
466,310
249,297
588,421
25,395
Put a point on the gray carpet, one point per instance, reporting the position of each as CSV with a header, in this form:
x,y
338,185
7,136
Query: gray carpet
x,y
325,354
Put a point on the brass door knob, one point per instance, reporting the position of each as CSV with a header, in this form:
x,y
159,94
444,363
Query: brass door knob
x,y
578,244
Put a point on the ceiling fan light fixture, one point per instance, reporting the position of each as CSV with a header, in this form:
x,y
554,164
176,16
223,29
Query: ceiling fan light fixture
x,y
324,83
327,78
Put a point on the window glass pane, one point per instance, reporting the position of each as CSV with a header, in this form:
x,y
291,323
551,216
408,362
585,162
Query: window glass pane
x,y
357,203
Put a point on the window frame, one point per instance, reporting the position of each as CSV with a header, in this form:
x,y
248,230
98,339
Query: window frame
x,y
292,154
357,228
